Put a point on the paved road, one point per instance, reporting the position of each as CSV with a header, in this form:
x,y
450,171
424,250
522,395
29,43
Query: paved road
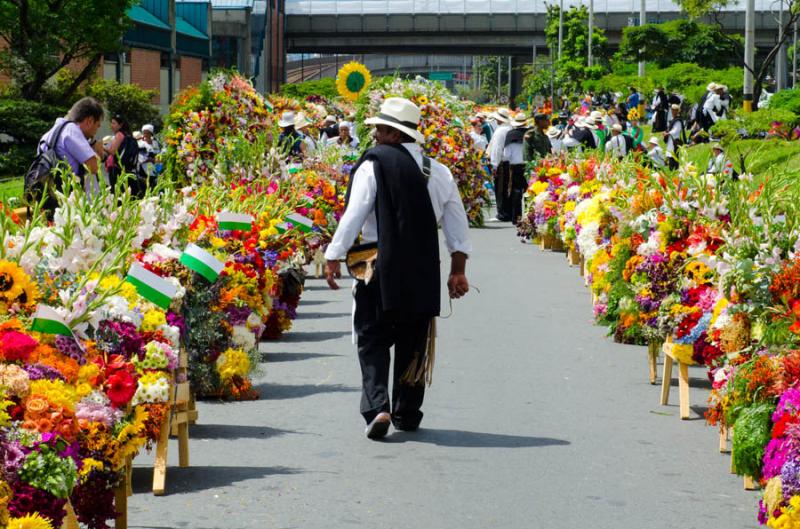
x,y
535,420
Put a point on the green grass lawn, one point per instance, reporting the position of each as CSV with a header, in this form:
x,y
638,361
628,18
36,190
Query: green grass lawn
x,y
11,188
761,156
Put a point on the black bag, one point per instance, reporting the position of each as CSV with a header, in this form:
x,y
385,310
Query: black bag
x,y
39,175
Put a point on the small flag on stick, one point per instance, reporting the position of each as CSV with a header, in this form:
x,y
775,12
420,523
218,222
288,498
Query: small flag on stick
x,y
202,262
150,286
46,320
234,221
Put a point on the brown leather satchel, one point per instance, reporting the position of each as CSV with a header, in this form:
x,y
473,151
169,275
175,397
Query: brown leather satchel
x,y
361,260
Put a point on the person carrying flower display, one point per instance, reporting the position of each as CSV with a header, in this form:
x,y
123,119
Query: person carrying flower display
x,y
395,199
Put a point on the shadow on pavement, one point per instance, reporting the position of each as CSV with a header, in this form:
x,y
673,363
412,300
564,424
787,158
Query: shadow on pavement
x,y
199,478
235,431
310,302
292,357
464,439
320,315
319,336
272,391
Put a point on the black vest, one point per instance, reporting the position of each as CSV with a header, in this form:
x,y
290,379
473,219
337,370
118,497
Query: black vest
x,y
408,239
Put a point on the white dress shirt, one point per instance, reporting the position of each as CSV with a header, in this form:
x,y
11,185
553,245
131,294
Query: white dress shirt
x,y
712,105
716,165
616,146
359,217
674,135
479,140
656,154
497,145
513,152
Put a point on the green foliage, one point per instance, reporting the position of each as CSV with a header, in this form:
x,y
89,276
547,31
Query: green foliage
x,y
488,73
25,122
751,433
687,79
755,123
680,40
128,100
323,87
786,100
44,36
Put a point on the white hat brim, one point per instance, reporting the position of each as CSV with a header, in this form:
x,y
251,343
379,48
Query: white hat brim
x,y
414,133
288,123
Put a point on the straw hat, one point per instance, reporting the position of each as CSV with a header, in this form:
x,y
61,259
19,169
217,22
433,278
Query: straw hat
x,y
596,115
400,114
553,133
520,120
675,107
501,115
712,86
652,141
329,119
286,120
148,128
301,121
616,127
717,147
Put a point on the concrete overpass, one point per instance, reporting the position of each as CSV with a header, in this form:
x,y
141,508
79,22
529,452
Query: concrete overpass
x,y
464,27
309,69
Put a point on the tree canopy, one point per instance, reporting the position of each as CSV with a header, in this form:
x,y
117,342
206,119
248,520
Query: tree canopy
x,y
45,36
680,41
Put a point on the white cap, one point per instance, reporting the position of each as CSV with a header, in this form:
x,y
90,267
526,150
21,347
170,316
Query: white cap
x,y
652,141
287,119
616,127
148,128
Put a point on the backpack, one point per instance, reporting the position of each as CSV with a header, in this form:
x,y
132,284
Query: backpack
x,y
39,175
129,154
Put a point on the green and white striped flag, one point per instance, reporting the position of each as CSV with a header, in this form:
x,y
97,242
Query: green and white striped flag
x,y
202,262
150,286
47,320
300,222
229,221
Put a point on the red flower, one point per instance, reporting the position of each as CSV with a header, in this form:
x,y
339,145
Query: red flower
x,y
15,345
120,388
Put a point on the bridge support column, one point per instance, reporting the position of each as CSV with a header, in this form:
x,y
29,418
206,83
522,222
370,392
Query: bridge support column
x,y
516,80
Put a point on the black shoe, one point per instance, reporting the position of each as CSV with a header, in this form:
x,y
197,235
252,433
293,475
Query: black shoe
x,y
379,426
405,425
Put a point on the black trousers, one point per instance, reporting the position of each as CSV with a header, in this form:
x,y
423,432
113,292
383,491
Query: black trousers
x,y
376,335
518,186
502,192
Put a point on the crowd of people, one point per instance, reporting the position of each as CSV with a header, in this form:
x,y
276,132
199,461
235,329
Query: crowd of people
x,y
299,142
611,123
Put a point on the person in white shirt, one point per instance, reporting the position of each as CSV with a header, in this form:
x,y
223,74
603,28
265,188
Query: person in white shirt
x,y
500,165
476,133
394,306
655,153
616,145
345,140
514,153
556,139
717,163
301,124
714,108
674,136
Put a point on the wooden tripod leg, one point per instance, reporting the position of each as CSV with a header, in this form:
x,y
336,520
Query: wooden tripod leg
x,y
183,444
683,389
129,476
749,483
733,467
70,520
160,464
666,380
121,504
652,361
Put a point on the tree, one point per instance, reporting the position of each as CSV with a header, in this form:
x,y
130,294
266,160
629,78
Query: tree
x,y
678,41
715,8
44,36
127,100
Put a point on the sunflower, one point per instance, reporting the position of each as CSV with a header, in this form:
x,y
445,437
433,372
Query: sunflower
x,y
12,281
353,78
30,521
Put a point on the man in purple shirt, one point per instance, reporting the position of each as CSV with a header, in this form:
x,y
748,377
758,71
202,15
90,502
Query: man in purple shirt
x,y
75,144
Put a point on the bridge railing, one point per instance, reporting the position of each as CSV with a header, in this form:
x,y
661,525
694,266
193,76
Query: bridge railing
x,y
466,7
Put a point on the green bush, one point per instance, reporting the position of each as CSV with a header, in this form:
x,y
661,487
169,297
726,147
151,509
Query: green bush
x,y
786,100
24,122
754,124
323,87
128,100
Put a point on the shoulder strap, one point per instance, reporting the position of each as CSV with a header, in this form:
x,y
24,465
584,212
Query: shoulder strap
x,y
57,134
426,167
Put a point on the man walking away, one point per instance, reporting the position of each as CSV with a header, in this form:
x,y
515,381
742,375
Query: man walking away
x,y
396,197
660,105
500,164
513,151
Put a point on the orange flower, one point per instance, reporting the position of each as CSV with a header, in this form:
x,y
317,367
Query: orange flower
x,y
36,405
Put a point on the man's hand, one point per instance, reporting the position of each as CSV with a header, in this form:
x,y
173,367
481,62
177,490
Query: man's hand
x,y
457,285
333,269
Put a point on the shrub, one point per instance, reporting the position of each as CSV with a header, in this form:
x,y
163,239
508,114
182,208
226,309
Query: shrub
x,y
24,122
322,87
128,100
786,100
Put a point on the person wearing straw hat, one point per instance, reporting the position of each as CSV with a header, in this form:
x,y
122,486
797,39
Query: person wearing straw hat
x,y
396,199
655,153
555,135
716,165
289,138
514,152
675,136
301,124
616,145
500,164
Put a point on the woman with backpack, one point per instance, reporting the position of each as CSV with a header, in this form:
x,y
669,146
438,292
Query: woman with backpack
x,y
123,153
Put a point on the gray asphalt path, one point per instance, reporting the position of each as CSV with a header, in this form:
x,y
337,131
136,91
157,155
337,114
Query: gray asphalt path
x,y
535,420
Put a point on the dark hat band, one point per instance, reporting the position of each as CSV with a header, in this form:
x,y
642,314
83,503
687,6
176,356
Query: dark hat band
x,y
408,124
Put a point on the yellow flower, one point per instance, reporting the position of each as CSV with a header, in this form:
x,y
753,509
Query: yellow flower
x,y
57,392
231,363
153,319
90,464
353,78
30,521
539,187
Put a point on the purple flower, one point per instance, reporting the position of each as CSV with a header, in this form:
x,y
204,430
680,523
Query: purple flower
x,y
43,372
